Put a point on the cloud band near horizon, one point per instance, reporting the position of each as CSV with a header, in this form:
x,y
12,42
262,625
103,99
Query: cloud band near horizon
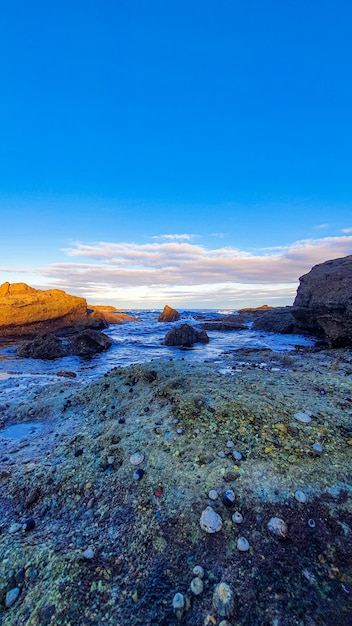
x,y
182,272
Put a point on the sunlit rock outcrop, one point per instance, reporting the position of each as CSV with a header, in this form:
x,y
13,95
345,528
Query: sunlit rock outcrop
x,y
169,315
25,311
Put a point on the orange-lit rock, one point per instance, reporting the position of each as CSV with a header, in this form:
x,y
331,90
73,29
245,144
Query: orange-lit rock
x,y
110,314
25,311
169,315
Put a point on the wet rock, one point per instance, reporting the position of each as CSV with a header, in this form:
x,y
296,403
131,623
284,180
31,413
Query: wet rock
x,y
46,346
305,418
89,342
46,613
32,497
185,336
210,521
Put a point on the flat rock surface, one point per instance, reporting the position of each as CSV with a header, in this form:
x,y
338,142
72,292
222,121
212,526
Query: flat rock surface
x,y
144,536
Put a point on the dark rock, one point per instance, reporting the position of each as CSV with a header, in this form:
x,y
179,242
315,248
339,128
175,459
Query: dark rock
x,y
277,320
33,496
228,322
89,342
185,336
169,315
29,524
46,346
229,498
323,305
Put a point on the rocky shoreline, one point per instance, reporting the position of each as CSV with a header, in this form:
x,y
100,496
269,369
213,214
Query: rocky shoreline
x,y
90,537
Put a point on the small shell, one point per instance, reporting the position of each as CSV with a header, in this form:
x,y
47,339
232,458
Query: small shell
x,y
300,496
198,570
197,586
242,544
278,527
229,497
237,455
137,458
303,417
237,517
317,447
213,494
210,521
224,600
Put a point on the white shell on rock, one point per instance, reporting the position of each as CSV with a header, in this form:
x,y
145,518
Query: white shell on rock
x,y
137,458
210,521
242,544
300,496
237,517
303,417
198,570
278,527
213,494
197,586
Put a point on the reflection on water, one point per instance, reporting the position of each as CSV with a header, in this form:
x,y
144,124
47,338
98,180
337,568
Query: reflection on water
x,y
17,431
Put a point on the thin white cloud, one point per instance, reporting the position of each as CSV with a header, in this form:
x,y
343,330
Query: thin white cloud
x,y
322,226
184,237
347,230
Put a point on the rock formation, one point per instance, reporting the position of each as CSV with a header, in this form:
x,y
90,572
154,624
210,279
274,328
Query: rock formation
x,y
48,346
169,315
277,320
323,305
185,336
110,314
25,311
228,322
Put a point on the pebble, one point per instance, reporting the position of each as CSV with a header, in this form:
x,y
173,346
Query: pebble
x,y
237,455
242,544
198,570
237,518
89,553
221,454
224,600
303,417
137,458
311,523
210,521
14,528
317,447
229,498
111,460
213,494
278,527
138,474
122,420
300,496
180,431
230,444
11,597
197,586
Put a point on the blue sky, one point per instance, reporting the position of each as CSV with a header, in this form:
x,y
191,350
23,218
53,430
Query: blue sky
x,y
196,153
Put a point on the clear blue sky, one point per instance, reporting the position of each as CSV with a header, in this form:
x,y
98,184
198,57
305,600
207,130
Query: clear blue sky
x,y
225,125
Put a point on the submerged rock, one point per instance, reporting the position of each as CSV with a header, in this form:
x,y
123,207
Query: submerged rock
x,y
185,336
